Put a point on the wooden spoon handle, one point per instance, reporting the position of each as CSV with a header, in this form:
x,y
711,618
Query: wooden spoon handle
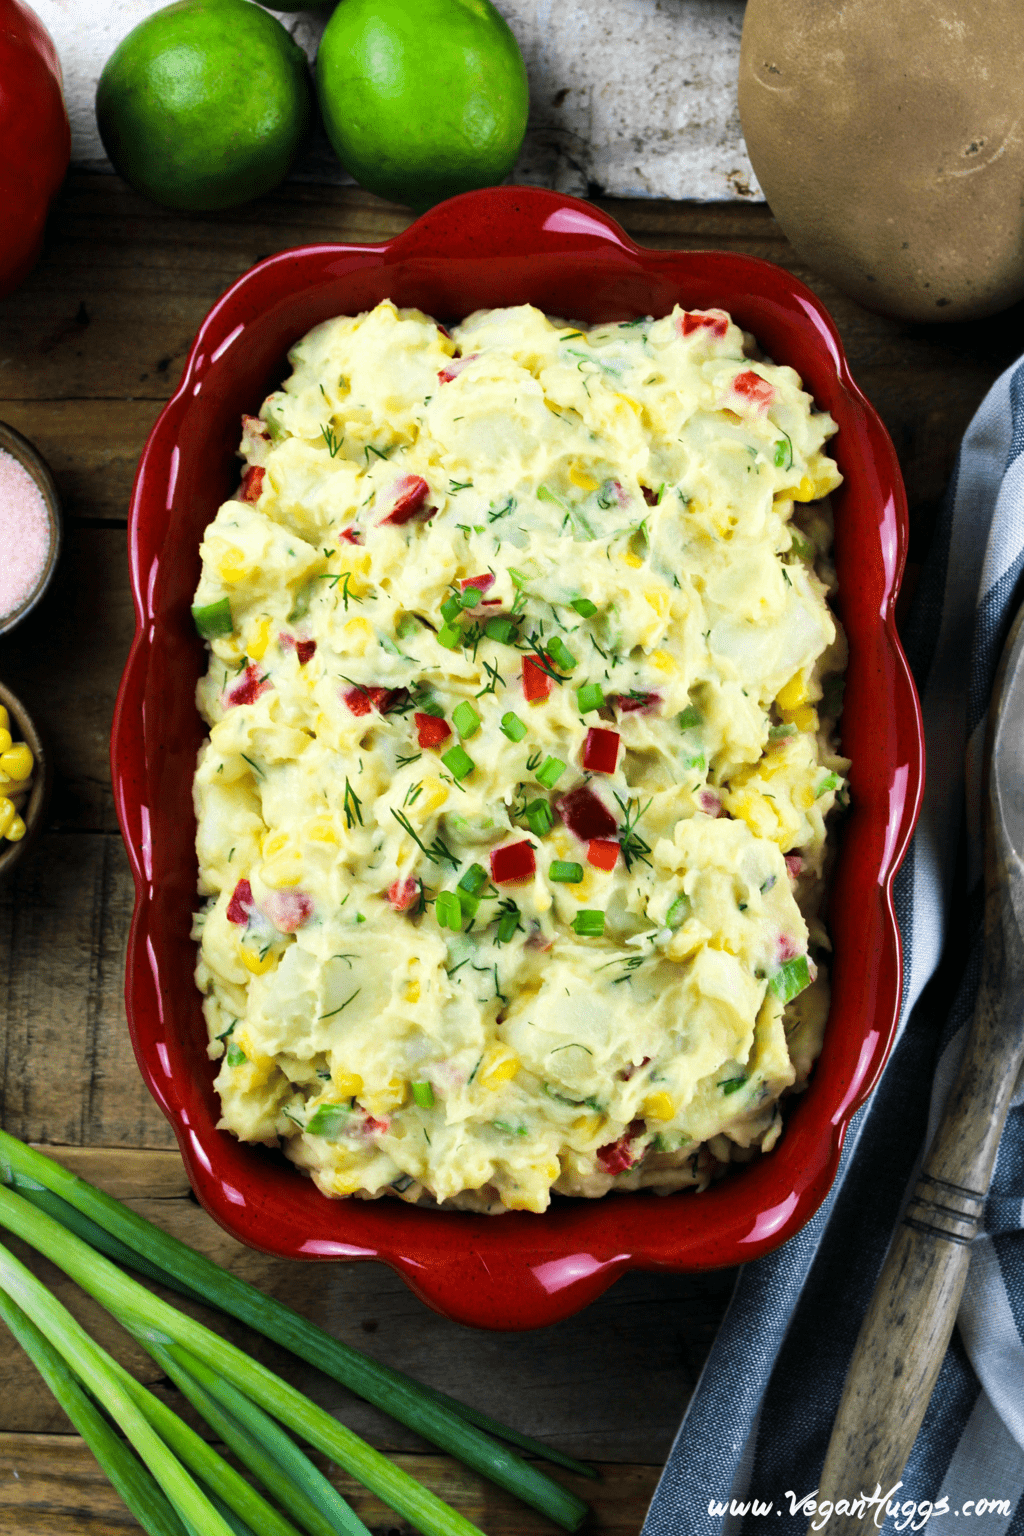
x,y
903,1338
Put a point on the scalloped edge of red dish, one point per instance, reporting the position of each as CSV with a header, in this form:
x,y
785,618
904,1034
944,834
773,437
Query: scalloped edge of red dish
x,y
503,246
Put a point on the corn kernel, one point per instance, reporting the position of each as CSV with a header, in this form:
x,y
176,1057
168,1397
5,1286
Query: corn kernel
x,y
412,992
17,762
257,965
659,601
500,1068
283,871
322,830
580,477
805,718
663,661
7,814
16,831
634,405
358,633
659,1106
587,1126
273,842
257,647
632,560
5,739
758,813
433,796
804,796
348,1084
794,693
805,491
552,1169
233,566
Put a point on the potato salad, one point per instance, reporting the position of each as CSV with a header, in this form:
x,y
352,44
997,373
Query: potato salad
x,y
521,698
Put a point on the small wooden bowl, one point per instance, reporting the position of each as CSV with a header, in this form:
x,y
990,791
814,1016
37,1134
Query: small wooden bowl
x,y
32,810
30,459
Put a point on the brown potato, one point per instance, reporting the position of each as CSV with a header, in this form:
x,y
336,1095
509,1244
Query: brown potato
x,y
889,142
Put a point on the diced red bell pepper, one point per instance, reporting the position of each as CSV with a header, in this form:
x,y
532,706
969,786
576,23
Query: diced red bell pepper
x,y
709,803
351,535
373,1127
514,861
536,682
480,583
252,482
452,369
404,499
713,320
750,386
601,750
253,426
627,703
241,904
619,1156
795,864
403,894
586,816
249,687
305,650
431,731
288,910
786,948
361,700
602,853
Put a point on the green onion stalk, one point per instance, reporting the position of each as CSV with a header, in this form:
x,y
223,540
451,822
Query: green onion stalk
x,y
105,1223
131,1240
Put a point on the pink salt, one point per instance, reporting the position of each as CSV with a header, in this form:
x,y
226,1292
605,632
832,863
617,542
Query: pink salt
x,y
24,534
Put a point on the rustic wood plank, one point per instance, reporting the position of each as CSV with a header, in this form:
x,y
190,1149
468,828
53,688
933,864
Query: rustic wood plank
x,y
610,1385
64,662
50,1485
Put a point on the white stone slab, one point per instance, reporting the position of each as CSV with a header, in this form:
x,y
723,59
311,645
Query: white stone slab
x,y
629,98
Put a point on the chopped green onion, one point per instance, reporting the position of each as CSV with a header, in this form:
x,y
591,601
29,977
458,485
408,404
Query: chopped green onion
x,y
780,732
213,619
104,1221
550,772
589,696
790,979
423,1095
500,629
451,608
829,782
512,727
327,1120
563,872
508,922
560,655
236,1056
458,762
450,636
431,707
465,719
473,880
300,607
679,911
448,911
588,924
469,598
407,625
689,717
731,1084
540,817
584,607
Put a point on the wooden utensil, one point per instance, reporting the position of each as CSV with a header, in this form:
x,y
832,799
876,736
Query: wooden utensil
x,y
908,1324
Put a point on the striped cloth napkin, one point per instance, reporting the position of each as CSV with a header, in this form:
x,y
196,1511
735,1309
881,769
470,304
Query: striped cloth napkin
x,y
750,1449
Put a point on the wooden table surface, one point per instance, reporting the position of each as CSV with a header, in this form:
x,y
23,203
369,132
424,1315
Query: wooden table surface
x,y
90,348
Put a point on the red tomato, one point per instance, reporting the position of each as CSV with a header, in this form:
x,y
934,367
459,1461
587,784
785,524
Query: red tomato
x,y
35,135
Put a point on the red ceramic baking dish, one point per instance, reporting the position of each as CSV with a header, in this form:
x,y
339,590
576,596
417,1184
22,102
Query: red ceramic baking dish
x,y
504,246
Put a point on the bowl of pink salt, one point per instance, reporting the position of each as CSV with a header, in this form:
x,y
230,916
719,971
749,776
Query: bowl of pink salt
x,y
30,527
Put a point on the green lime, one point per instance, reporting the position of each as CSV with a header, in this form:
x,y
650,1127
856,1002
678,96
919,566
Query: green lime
x,y
422,98
204,104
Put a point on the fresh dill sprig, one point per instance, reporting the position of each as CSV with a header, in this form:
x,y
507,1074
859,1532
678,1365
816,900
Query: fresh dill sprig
x,y
632,844
353,807
332,440
495,678
438,849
